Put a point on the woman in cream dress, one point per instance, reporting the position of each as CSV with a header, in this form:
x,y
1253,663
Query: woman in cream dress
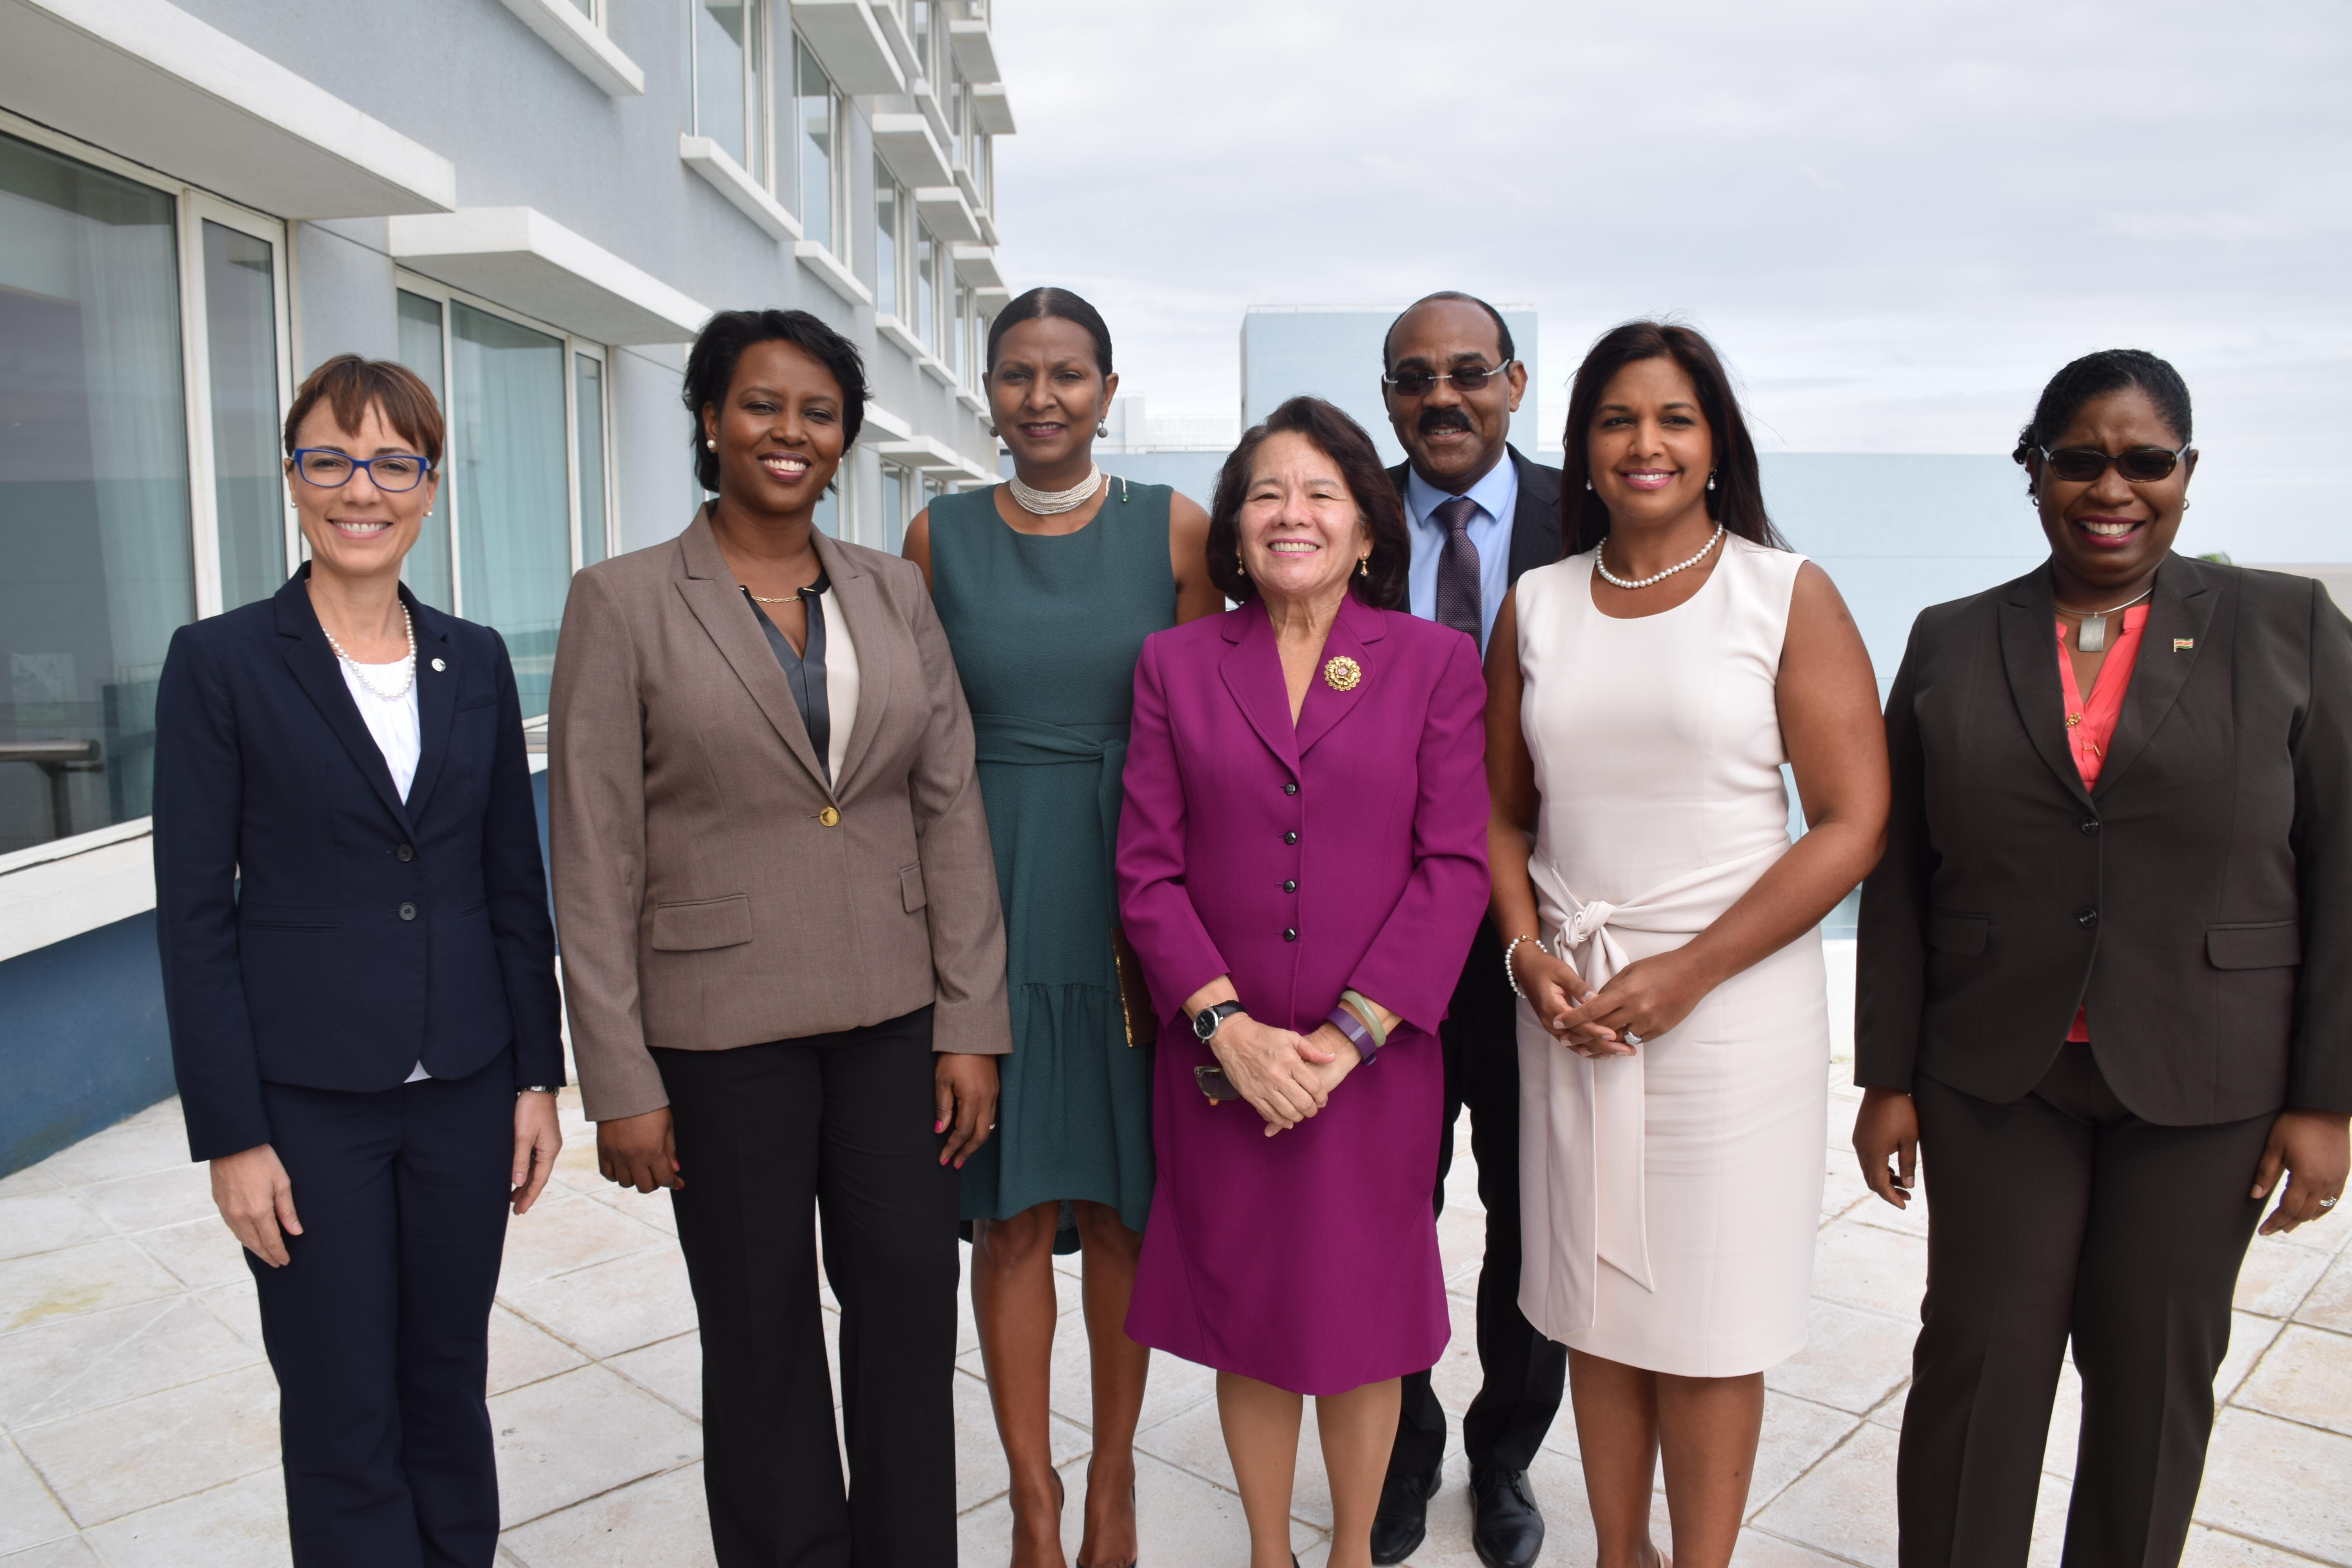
x,y
1673,1045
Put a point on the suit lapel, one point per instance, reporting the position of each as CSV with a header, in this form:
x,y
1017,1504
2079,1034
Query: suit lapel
x,y
710,590
858,598
1535,522
2029,649
1252,673
437,699
1325,705
2181,608
316,669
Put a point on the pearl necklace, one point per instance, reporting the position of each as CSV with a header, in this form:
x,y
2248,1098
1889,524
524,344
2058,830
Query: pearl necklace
x,y
1600,564
409,675
1047,503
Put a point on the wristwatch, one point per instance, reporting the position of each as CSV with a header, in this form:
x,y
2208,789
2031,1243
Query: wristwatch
x,y
539,1089
1206,1021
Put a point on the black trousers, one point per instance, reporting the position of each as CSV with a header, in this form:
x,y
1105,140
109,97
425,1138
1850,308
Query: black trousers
x,y
837,1126
378,1326
1521,1373
2062,1215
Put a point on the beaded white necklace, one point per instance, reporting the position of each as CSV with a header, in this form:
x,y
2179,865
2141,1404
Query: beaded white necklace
x,y
1047,503
408,672
1600,564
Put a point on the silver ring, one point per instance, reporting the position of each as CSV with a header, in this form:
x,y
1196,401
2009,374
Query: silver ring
x,y
1631,1038
2327,1202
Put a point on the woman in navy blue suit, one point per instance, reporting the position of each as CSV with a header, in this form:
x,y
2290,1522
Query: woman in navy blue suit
x,y
359,973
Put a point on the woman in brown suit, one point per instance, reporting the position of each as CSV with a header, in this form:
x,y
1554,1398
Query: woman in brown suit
x,y
783,951
2105,980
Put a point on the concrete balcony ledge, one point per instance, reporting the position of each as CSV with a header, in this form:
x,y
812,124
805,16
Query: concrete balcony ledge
x,y
747,195
991,110
147,80
908,147
525,260
976,265
938,370
822,262
900,333
584,44
945,213
94,880
975,53
848,41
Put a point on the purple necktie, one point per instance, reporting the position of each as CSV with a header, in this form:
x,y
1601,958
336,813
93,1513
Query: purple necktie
x,y
1458,598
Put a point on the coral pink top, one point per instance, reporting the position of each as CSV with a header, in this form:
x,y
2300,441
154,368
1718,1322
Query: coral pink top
x,y
2091,725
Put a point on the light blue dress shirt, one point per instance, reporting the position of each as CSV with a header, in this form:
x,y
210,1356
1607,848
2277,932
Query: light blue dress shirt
x,y
1498,496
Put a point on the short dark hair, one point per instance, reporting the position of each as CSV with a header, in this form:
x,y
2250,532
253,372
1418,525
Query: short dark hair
x,y
1059,304
1737,499
710,370
1502,327
1329,431
2095,375
350,385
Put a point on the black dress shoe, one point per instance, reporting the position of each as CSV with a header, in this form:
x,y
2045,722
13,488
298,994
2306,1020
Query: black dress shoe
x,y
1402,1521
1507,1528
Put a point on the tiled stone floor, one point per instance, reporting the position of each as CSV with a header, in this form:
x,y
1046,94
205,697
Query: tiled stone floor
x,y
140,1418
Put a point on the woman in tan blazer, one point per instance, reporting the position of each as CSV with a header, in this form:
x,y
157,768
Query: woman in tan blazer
x,y
783,951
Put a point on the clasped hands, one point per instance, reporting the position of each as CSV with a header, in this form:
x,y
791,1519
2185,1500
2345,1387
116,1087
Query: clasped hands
x,y
1641,1001
1286,1077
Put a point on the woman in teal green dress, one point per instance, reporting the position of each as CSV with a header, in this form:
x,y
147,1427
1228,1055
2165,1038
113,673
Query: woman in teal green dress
x,y
1047,586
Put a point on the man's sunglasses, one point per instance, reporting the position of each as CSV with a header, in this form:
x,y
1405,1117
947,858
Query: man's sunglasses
x,y
2140,465
1469,378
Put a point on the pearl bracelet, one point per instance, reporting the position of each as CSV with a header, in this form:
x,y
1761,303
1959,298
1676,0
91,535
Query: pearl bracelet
x,y
1508,973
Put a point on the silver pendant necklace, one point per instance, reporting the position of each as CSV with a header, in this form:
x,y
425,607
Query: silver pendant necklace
x,y
1049,503
1600,564
408,674
2091,635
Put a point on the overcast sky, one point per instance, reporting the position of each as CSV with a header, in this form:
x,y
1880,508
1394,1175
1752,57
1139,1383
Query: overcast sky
x,y
1894,220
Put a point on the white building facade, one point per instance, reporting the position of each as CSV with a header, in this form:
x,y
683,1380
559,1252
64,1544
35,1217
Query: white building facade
x,y
534,203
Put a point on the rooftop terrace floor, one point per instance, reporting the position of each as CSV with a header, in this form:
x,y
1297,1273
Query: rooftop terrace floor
x,y
140,1419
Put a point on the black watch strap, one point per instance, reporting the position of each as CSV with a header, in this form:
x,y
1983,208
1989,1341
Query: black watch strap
x,y
1215,1015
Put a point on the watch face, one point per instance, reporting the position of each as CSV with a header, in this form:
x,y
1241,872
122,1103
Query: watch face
x,y
1204,1022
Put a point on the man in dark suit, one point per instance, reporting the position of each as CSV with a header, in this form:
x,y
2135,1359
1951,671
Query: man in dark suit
x,y
1481,514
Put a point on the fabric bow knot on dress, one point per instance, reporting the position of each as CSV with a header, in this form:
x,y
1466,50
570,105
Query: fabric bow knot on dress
x,y
1581,1117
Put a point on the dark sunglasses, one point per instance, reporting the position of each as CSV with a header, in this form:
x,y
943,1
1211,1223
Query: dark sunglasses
x,y
2140,465
1469,378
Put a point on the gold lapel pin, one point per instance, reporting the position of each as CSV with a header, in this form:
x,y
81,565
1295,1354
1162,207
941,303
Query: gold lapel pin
x,y
1341,673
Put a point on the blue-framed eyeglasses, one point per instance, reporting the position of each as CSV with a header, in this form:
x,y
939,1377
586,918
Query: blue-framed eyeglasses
x,y
329,469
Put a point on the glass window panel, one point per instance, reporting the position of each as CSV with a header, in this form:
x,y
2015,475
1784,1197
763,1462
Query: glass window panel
x,y
248,482
588,424
426,570
514,506
894,507
722,62
919,30
926,251
827,516
96,565
815,116
886,241
961,151
586,7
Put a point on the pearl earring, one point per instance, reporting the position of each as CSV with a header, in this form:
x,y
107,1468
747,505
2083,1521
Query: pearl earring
x,y
989,425
1710,479
712,442
1102,427
1588,484
1364,565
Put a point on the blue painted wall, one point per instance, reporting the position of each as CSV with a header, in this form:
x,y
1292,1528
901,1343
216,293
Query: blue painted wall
x,y
84,1044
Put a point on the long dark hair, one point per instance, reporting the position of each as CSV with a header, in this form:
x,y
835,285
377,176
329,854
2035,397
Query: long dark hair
x,y
1381,583
711,371
1737,499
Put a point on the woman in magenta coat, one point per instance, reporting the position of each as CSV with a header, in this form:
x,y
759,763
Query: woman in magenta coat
x,y
1301,864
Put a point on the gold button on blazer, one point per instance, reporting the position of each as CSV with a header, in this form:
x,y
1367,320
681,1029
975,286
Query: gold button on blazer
x,y
711,890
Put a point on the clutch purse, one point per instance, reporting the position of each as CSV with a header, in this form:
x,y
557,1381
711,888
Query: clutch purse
x,y
1134,997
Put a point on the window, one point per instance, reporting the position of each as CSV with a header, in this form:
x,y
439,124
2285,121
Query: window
x,y
957,107
142,386
889,205
248,476
588,457
897,486
927,256
730,96
525,493
817,114
984,170
918,33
